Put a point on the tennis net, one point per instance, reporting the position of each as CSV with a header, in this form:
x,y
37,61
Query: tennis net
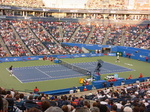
x,y
75,68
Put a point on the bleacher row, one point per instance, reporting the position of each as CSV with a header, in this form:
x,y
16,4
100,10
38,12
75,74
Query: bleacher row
x,y
25,38
125,98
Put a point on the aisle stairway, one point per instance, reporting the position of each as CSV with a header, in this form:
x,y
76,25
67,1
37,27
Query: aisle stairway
x,y
90,35
35,36
106,36
71,39
4,46
19,38
54,39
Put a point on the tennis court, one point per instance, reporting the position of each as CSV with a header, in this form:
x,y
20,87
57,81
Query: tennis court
x,y
53,72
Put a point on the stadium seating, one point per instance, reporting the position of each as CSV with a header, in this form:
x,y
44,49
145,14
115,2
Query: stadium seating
x,y
26,38
106,4
128,93
23,3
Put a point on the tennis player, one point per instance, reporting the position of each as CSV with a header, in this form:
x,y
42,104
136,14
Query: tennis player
x,y
118,59
10,70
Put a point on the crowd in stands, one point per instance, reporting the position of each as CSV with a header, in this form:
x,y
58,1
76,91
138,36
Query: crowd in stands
x,y
129,35
74,49
68,30
133,38
55,28
143,41
126,98
14,45
94,4
115,35
29,39
98,34
43,37
23,3
106,4
115,17
48,39
82,34
3,53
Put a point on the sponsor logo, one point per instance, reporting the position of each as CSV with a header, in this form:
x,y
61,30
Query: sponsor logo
x,y
142,56
4,7
2,16
89,45
76,56
62,56
99,45
32,58
132,55
111,54
6,59
83,55
93,54
100,54
15,59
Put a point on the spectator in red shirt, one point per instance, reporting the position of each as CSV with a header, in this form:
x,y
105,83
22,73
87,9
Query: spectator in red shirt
x,y
141,75
130,77
146,58
36,90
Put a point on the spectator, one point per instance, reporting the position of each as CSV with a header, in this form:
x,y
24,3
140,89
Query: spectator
x,y
65,108
33,109
45,105
71,91
127,109
94,109
85,89
81,109
113,108
104,84
141,75
1,104
146,58
36,90
54,109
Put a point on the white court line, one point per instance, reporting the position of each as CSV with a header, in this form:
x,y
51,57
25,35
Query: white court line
x,y
43,72
128,64
119,66
14,76
76,75
49,79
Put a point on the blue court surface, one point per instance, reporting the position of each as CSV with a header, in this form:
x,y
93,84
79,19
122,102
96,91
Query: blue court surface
x,y
53,72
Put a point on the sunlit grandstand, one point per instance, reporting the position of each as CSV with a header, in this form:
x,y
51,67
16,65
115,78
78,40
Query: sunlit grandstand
x,y
74,55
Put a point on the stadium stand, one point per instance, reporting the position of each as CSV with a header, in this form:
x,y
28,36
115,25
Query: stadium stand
x,y
106,4
11,41
22,36
3,52
82,34
23,3
98,34
29,38
68,30
133,96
